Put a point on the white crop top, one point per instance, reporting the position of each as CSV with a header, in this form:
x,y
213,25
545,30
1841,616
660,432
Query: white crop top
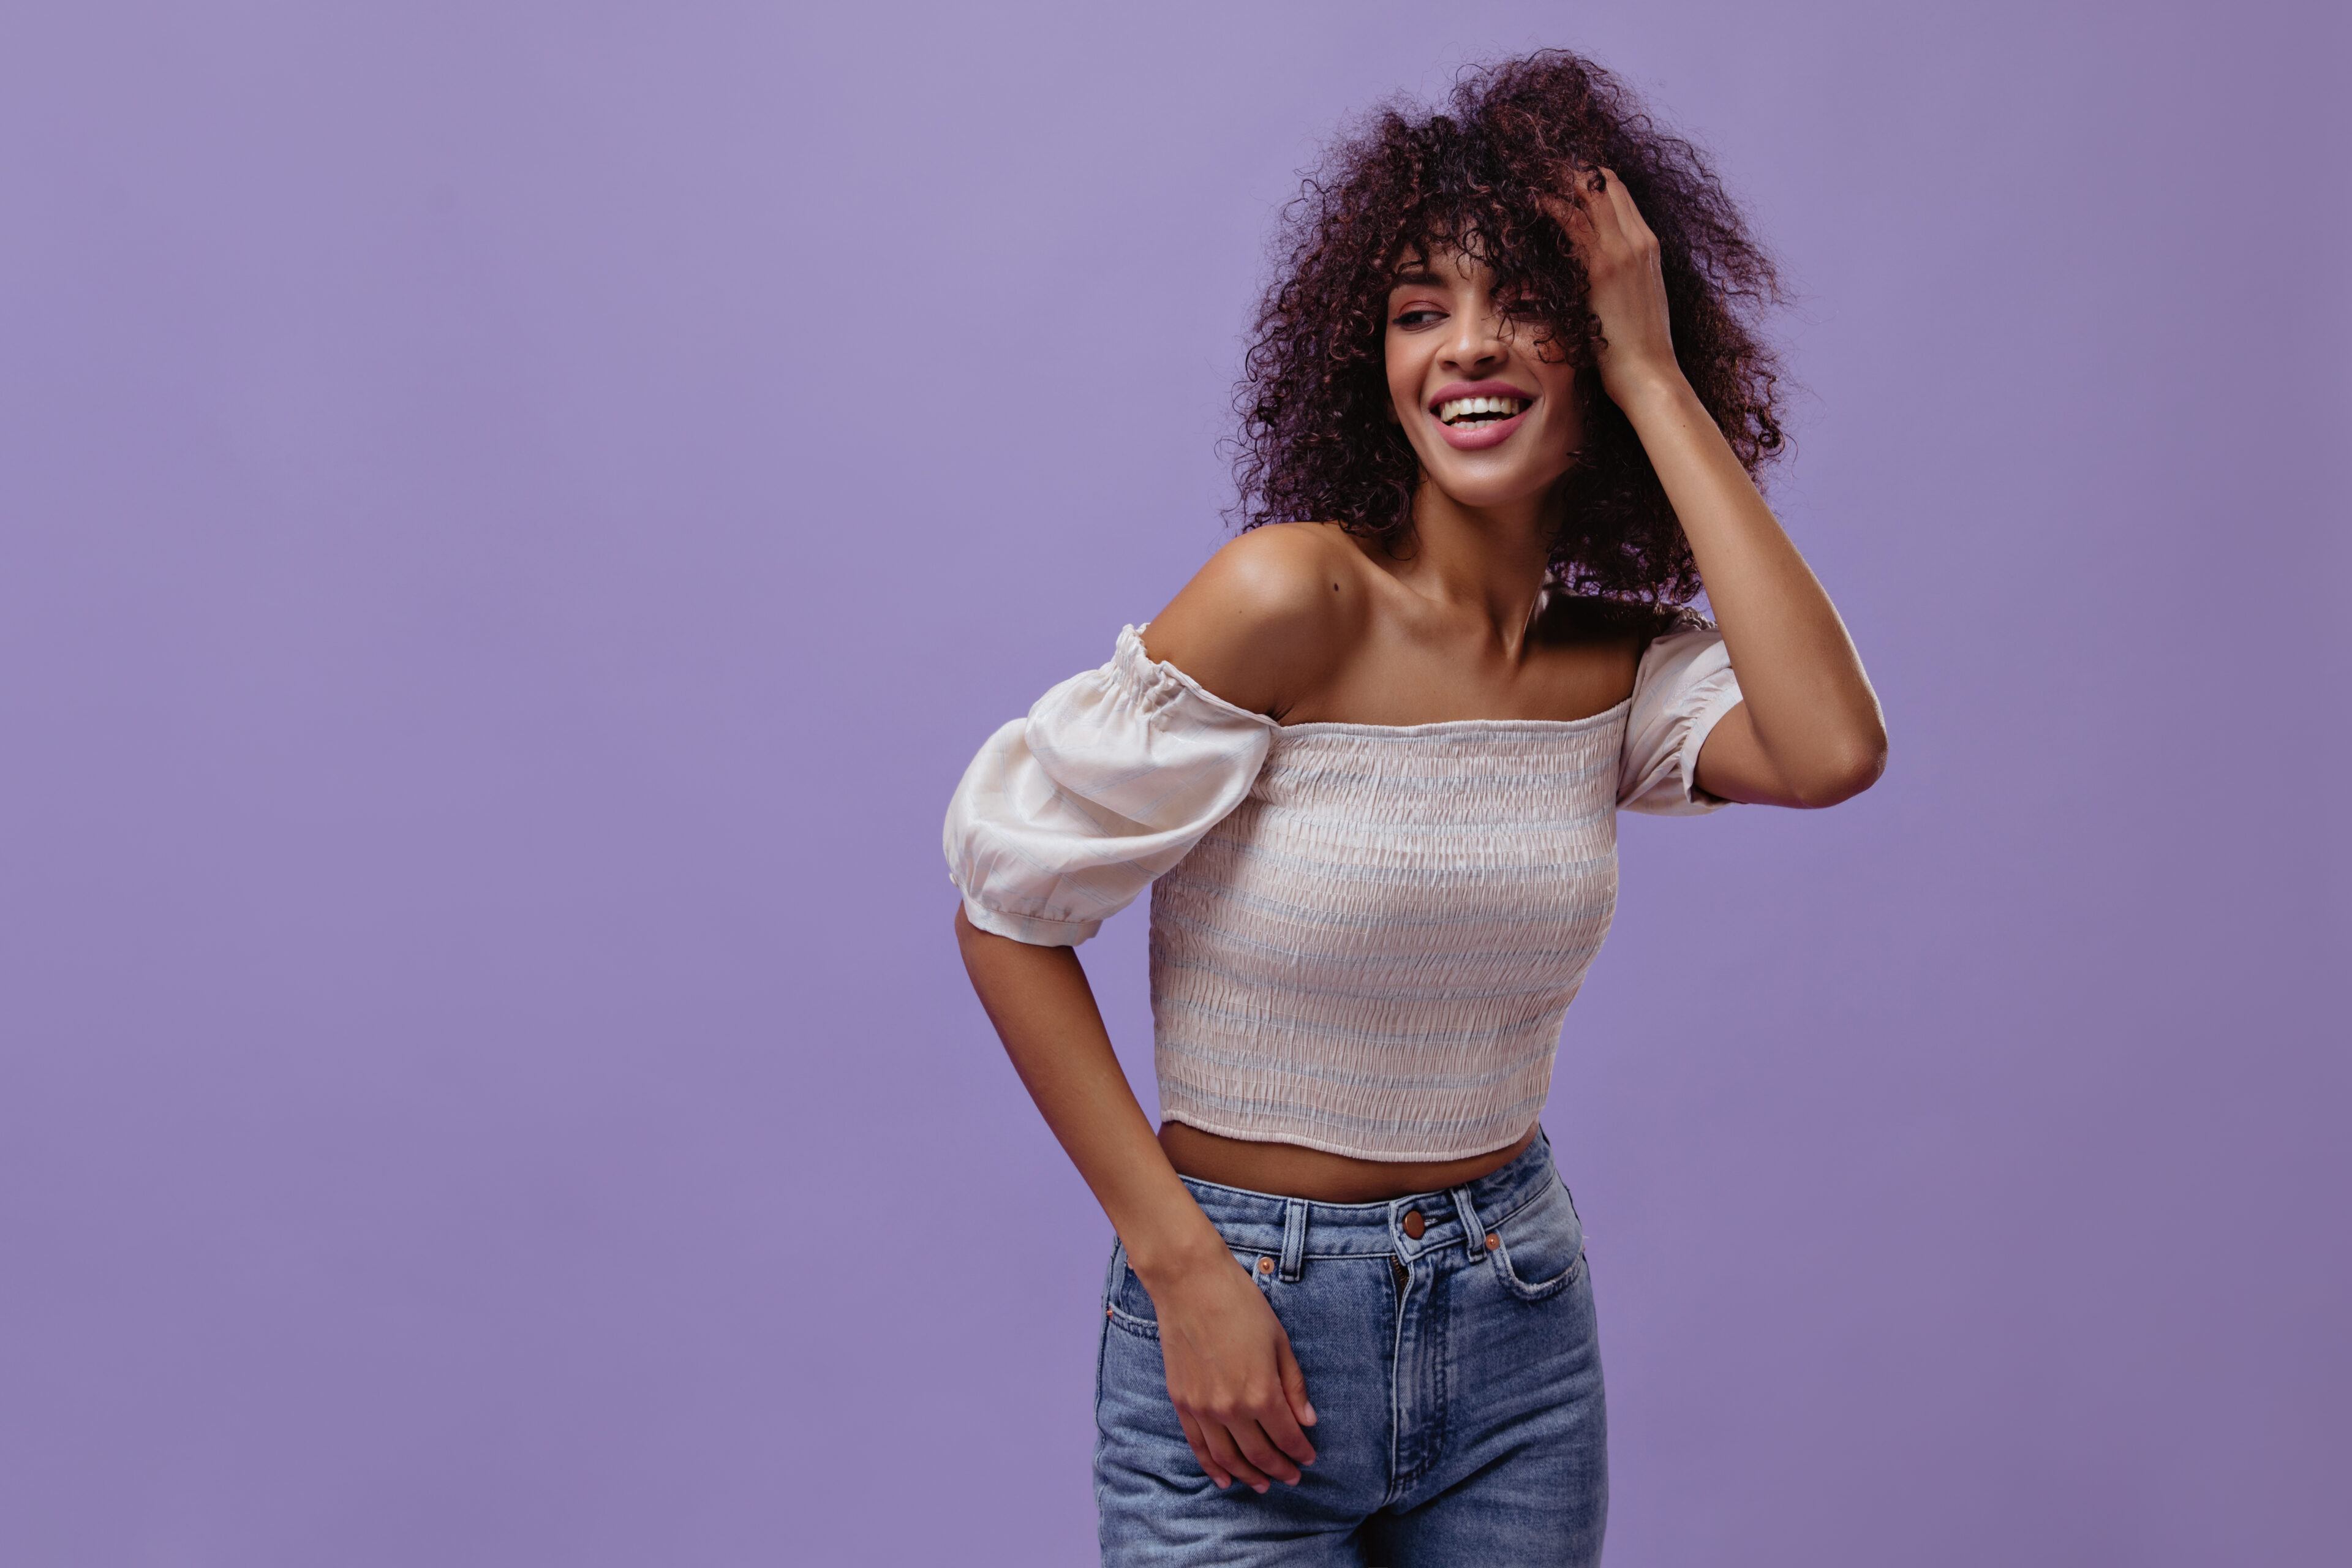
x,y
1363,936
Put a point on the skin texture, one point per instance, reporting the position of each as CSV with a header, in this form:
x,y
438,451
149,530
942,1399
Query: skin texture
x,y
1304,622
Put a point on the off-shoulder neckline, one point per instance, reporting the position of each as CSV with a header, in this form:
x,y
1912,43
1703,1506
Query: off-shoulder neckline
x,y
1539,726
1132,636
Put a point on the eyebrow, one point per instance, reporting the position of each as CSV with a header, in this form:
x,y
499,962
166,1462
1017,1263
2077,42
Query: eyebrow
x,y
1415,277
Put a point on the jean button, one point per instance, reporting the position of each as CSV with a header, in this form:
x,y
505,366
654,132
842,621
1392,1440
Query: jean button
x,y
1414,1224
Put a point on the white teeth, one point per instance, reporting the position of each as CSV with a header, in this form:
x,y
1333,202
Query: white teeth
x,y
1462,408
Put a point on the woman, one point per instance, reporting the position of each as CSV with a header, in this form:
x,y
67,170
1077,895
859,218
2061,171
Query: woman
x,y
1504,405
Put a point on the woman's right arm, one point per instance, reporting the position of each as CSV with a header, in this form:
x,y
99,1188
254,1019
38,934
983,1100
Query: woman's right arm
x,y
1257,626
1235,1385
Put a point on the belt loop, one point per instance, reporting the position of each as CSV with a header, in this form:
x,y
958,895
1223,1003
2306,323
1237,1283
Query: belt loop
x,y
1473,1235
1294,1242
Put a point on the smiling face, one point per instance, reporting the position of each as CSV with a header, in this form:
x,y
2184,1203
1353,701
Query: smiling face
x,y
1494,417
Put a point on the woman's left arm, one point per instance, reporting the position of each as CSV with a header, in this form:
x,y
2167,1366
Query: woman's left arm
x,y
1808,732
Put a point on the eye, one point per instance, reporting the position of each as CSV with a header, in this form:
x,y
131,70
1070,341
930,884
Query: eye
x,y
1419,316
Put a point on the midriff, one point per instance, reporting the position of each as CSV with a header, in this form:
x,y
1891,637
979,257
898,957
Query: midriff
x,y
1291,1170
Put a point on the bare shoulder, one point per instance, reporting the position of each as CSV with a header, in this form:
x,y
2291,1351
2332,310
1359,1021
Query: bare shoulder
x,y
1268,616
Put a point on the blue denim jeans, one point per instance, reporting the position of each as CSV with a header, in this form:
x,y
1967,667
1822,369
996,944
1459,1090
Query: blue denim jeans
x,y
1450,1351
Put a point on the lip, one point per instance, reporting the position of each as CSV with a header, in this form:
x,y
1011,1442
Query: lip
x,y
1485,436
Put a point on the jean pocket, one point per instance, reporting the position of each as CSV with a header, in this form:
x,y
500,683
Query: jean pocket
x,y
1125,1300
1542,1246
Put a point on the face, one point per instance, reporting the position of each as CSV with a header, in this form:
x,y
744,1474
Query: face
x,y
1494,419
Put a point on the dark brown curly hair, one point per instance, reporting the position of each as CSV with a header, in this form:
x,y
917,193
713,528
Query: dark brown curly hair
x,y
1318,442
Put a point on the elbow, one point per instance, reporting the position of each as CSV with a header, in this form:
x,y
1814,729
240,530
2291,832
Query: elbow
x,y
1843,774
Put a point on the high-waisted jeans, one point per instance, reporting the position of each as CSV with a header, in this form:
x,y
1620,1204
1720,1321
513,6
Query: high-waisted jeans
x,y
1449,1348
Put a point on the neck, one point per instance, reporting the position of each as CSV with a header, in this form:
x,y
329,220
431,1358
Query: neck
x,y
1489,562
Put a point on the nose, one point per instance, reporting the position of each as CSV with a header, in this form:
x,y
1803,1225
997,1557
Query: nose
x,y
1476,344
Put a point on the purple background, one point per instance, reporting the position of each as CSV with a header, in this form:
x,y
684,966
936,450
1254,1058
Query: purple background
x,y
513,517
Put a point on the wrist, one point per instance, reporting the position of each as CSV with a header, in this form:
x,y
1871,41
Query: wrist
x,y
1648,391
1162,1257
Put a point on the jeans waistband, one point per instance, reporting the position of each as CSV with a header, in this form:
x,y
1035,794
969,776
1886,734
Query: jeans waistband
x,y
1299,1229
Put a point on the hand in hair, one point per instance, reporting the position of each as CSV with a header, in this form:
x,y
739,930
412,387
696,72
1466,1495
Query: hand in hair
x,y
1636,347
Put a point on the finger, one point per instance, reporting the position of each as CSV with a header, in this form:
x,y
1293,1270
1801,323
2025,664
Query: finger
x,y
1621,202
1281,1428
1227,1454
1595,227
1208,1467
1587,181
1606,204
1294,1383
1262,1450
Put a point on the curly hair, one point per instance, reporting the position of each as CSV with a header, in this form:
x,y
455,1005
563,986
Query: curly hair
x,y
1317,441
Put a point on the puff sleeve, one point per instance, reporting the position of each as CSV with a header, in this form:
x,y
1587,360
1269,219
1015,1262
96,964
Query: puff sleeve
x,y
1066,815
1681,690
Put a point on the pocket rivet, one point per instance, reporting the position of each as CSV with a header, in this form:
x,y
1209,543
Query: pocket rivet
x,y
1266,1265
1493,1241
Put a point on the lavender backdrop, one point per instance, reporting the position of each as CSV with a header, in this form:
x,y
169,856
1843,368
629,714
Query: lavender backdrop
x,y
512,518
